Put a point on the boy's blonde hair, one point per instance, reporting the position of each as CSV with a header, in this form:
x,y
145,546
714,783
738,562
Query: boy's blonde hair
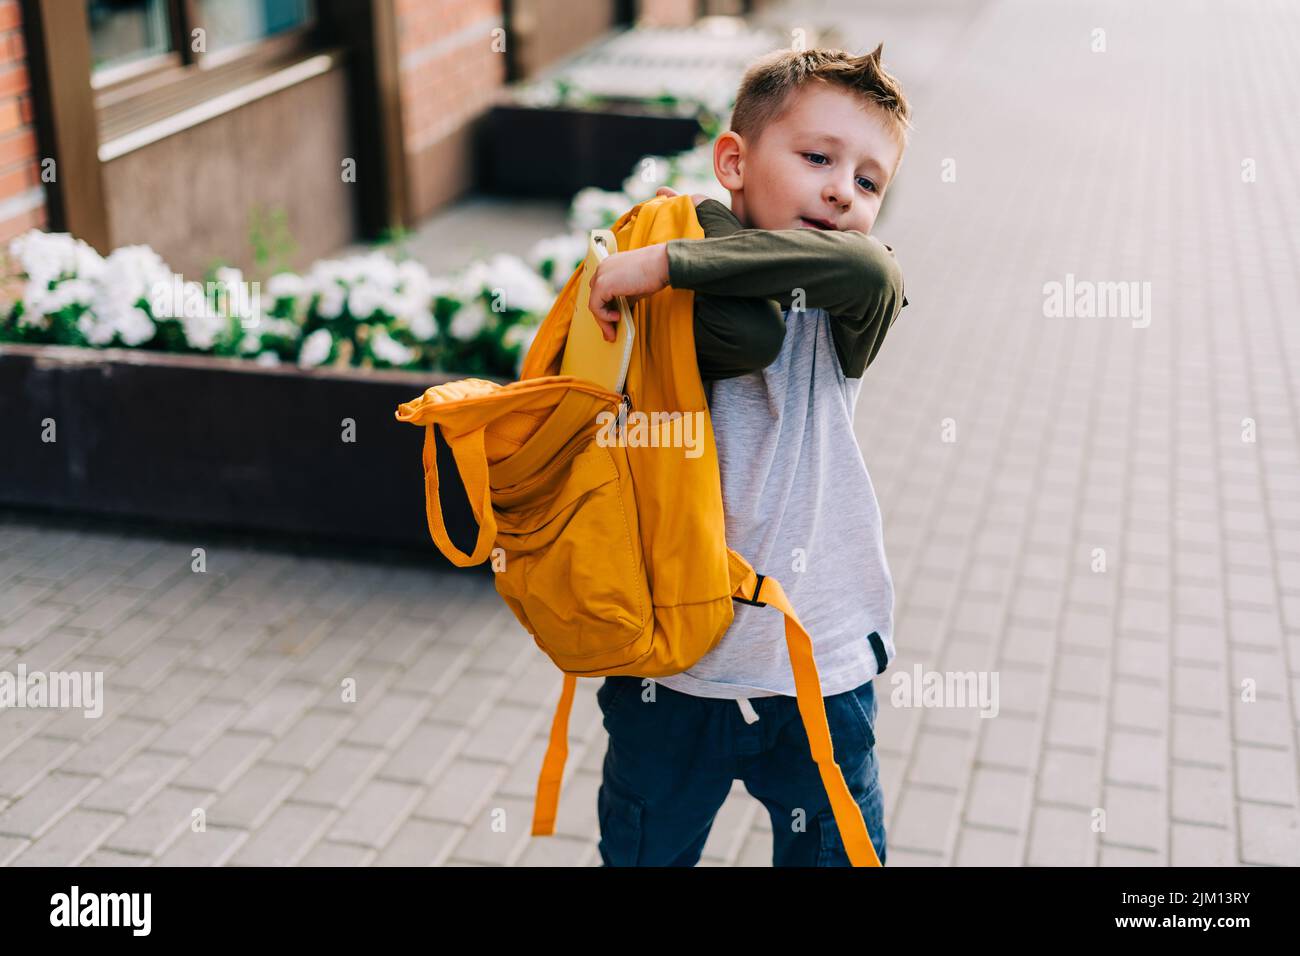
x,y
769,81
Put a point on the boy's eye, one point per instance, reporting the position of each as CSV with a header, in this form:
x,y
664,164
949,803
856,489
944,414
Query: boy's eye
x,y
817,159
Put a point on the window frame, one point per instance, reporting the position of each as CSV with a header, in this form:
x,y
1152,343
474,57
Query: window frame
x,y
175,68
361,35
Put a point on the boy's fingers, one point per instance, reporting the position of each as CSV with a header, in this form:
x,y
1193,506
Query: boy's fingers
x,y
606,313
607,328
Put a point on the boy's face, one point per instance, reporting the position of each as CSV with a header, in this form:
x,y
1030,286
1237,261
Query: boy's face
x,y
830,156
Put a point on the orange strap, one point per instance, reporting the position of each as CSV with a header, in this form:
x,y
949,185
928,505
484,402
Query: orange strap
x,y
557,752
471,462
812,708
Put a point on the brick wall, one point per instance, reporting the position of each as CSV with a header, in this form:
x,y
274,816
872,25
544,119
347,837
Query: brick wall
x,y
449,75
545,31
22,198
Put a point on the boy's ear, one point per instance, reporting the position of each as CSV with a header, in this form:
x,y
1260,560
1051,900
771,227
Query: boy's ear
x,y
729,161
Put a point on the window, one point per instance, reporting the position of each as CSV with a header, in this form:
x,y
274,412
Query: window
x,y
232,23
157,38
127,31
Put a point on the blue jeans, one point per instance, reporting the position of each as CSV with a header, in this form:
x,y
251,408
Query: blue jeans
x,y
671,763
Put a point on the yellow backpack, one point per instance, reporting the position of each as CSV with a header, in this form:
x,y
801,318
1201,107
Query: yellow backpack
x,y
611,555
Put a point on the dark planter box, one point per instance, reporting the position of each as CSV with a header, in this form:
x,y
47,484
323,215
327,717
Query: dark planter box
x,y
530,151
197,441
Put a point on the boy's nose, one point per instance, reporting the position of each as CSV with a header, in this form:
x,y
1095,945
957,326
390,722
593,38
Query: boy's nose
x,y
842,205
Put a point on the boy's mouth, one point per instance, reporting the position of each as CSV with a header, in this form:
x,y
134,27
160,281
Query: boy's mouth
x,y
816,223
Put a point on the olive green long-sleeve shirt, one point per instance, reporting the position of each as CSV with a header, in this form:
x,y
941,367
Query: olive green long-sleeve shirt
x,y
745,279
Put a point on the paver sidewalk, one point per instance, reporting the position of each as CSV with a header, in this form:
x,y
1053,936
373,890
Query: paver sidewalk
x,y
1103,512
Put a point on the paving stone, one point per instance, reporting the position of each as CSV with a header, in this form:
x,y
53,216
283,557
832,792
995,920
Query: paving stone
x,y
338,778
254,796
286,837
33,813
132,784
73,838
223,762
339,854
212,846
461,791
29,763
160,821
310,740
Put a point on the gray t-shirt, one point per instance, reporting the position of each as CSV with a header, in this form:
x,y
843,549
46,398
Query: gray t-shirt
x,y
797,497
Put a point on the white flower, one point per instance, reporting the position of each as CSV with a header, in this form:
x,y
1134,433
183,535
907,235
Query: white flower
x,y
422,325
441,287
411,311
389,350
364,300
472,281
135,327
96,332
693,164
132,271
520,286
202,327
413,277
470,319
250,343
267,358
281,328
285,285
32,317
594,208
332,298
523,336
36,299
520,334
316,348
566,251
538,94
39,301
375,268
46,256
649,174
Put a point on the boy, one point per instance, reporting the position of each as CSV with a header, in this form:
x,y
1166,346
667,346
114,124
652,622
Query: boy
x,y
816,138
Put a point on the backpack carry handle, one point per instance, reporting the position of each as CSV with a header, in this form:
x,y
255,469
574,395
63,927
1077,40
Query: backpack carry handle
x,y
455,475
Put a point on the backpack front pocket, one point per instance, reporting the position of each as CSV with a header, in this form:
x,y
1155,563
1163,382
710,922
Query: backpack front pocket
x,y
573,572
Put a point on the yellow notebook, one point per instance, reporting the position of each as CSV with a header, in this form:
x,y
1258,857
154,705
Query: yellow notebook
x,y
587,355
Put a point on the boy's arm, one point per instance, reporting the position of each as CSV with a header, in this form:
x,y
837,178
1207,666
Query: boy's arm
x,y
734,335
851,275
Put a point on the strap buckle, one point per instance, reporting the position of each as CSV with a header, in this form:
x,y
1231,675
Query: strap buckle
x,y
753,601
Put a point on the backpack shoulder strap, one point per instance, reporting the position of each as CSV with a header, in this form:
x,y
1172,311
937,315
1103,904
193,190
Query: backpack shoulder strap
x,y
557,752
760,590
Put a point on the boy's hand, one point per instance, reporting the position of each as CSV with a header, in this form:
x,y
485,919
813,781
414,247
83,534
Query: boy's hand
x,y
634,273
